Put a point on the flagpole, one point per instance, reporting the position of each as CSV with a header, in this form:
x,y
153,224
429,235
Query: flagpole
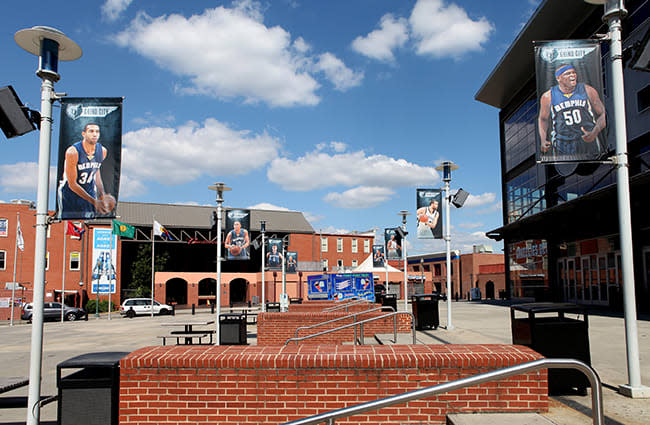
x,y
110,266
13,284
65,239
153,247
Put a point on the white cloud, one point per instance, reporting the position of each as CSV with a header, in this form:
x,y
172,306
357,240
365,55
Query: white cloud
x,y
479,200
442,30
360,197
312,218
491,209
463,241
470,225
112,9
334,230
267,206
179,155
154,119
380,43
129,187
229,53
320,169
335,70
22,177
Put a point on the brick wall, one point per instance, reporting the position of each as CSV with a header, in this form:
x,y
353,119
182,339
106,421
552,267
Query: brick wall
x,y
276,328
246,385
319,306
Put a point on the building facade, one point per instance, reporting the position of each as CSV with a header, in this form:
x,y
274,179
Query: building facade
x,y
561,228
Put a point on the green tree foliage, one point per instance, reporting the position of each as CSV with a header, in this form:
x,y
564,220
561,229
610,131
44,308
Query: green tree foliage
x,y
103,306
141,269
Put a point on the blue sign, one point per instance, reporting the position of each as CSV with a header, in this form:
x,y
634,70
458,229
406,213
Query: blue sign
x,y
341,286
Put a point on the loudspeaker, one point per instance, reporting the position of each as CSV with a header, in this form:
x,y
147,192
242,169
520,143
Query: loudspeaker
x,y
14,118
459,198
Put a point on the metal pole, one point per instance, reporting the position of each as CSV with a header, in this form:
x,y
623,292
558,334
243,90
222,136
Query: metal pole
x,y
220,188
47,97
263,268
63,277
110,270
614,12
448,243
13,284
406,297
153,264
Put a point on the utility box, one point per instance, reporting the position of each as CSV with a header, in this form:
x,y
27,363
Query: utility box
x,y
425,311
232,329
91,394
389,300
547,330
272,307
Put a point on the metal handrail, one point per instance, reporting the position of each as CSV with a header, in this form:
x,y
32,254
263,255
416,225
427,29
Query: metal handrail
x,y
353,315
361,323
346,305
596,391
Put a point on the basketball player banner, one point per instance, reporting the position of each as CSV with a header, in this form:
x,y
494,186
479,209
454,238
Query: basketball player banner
x,y
90,157
237,236
393,244
378,256
274,254
291,265
429,213
571,120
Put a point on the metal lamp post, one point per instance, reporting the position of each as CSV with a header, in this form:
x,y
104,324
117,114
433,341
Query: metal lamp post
x,y
220,188
405,213
613,13
422,271
447,167
263,231
49,45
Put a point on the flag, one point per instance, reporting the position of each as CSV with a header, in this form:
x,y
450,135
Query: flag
x,y
20,242
159,230
75,231
123,229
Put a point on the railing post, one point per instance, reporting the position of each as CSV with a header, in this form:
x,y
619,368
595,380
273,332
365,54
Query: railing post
x,y
354,320
361,331
395,329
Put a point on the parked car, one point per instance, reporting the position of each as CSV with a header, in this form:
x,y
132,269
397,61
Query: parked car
x,y
132,307
52,311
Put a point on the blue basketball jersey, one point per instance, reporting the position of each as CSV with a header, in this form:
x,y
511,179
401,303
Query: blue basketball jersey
x,y
570,113
71,205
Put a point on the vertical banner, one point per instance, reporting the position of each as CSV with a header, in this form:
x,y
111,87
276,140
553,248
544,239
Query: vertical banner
x,y
103,260
292,262
4,226
378,256
571,116
237,236
429,213
274,254
90,157
393,244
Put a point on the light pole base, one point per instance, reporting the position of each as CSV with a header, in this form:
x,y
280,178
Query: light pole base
x,y
450,327
634,392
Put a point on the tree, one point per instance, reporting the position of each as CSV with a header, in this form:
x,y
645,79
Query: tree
x,y
141,269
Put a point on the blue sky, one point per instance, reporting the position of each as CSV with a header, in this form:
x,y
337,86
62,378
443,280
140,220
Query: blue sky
x,y
339,109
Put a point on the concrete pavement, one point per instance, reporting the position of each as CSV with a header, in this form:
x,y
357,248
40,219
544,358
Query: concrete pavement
x,y
475,322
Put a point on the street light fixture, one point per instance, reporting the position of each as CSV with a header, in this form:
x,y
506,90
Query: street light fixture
x,y
405,213
219,188
614,11
447,167
49,45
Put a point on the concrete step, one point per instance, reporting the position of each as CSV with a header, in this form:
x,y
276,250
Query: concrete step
x,y
497,419
402,339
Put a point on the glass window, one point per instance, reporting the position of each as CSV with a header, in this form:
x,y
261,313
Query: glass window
x,y
325,265
75,262
3,260
339,245
4,226
366,246
437,270
355,263
339,263
354,246
323,244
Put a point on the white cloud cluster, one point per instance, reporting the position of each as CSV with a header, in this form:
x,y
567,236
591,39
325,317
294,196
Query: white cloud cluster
x,y
267,206
360,197
22,178
112,9
380,43
179,155
480,200
437,29
229,53
319,169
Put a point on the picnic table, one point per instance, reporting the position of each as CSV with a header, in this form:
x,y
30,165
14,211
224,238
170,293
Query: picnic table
x,y
189,333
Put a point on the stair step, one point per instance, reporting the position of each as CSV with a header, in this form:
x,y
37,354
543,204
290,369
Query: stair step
x,y
497,419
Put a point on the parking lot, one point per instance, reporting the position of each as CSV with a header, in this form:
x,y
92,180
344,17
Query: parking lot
x,y
473,322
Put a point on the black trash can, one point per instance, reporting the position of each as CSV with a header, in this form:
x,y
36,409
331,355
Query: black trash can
x,y
295,300
548,331
425,311
272,307
389,300
232,329
91,394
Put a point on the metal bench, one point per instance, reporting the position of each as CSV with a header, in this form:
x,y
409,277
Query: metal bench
x,y
188,337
